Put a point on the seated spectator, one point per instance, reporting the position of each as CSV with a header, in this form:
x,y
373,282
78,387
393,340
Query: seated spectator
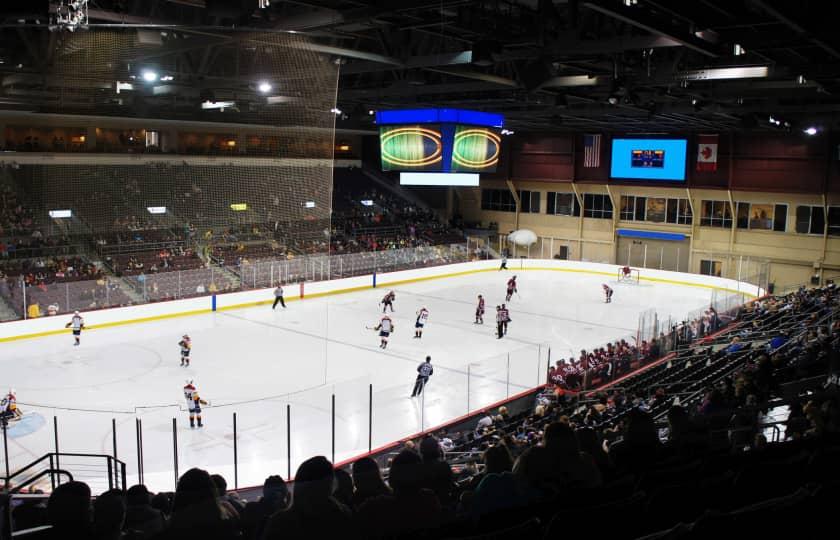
x,y
68,511
410,509
343,488
231,504
52,309
275,497
368,482
571,468
34,311
498,489
436,473
140,517
640,446
314,512
196,511
109,515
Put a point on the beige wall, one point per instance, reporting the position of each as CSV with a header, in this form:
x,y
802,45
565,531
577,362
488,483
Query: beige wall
x,y
791,256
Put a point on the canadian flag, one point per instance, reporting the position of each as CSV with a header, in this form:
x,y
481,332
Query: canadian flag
x,y
707,153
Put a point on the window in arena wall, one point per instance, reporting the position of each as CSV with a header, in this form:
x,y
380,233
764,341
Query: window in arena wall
x,y
834,220
679,212
632,208
710,268
715,214
762,217
597,206
498,200
811,220
529,201
561,204
655,210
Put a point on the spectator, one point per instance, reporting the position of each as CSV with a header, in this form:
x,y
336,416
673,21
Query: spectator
x,y
109,515
314,512
498,489
34,311
68,511
368,482
640,446
231,504
570,467
275,497
196,511
410,509
343,488
140,516
436,473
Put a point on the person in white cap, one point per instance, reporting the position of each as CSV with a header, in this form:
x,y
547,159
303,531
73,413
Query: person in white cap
x,y
77,322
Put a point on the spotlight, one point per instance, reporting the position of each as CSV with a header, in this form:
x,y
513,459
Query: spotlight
x,y
149,75
800,79
336,111
507,132
613,100
371,112
738,50
264,87
811,130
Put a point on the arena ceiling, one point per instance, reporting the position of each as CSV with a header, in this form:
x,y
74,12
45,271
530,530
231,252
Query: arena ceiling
x,y
628,65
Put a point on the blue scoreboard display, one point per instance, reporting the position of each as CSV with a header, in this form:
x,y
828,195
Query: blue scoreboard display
x,y
648,159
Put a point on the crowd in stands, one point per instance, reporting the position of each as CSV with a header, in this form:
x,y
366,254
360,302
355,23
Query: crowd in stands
x,y
15,219
606,363
640,461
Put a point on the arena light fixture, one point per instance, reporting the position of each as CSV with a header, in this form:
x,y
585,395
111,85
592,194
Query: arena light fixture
x,y
120,86
239,207
811,130
264,87
58,214
309,204
156,209
149,75
366,202
167,78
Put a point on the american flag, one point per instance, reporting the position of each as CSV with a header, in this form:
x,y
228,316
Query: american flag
x,y
591,151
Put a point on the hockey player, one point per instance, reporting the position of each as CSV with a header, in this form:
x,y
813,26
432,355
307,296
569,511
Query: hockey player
x,y
511,288
10,409
278,297
608,292
388,300
505,319
186,346
77,322
194,403
422,317
385,327
424,371
499,322
479,311
625,272
504,263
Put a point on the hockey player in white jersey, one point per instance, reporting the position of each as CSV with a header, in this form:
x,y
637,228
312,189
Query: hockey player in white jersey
x,y
194,403
385,327
422,318
77,322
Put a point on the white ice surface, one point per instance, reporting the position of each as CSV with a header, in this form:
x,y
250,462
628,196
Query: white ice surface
x,y
255,361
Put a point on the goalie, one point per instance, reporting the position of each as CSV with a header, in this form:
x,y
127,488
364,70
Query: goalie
x,y
10,409
625,274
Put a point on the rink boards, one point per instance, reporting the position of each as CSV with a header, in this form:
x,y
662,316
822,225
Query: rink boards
x,y
105,318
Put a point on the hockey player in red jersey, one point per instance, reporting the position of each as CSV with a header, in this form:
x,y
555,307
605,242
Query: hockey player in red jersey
x,y
388,300
511,288
479,311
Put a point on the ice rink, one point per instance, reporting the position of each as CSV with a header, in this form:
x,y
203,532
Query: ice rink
x,y
255,361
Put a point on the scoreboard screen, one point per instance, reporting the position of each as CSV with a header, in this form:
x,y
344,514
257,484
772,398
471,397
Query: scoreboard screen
x,y
648,159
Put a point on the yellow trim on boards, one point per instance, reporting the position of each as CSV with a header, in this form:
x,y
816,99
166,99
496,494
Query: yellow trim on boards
x,y
355,289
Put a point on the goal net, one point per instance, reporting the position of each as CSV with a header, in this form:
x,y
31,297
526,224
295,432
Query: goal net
x,y
632,277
